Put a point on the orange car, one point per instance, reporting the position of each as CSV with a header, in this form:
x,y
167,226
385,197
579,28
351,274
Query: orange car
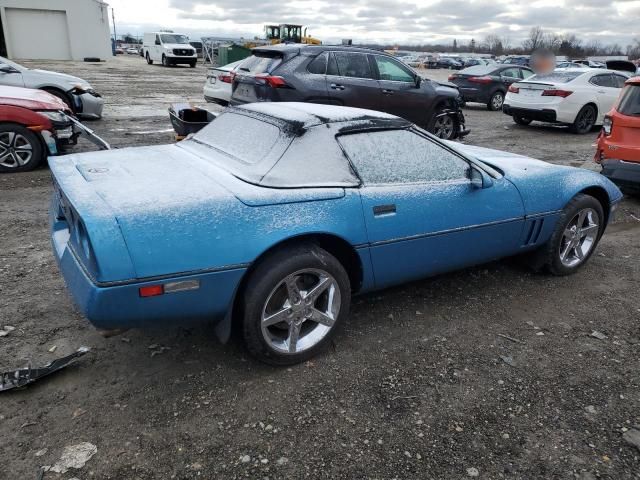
x,y
619,141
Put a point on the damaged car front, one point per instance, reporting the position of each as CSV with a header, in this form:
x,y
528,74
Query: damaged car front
x,y
76,93
35,125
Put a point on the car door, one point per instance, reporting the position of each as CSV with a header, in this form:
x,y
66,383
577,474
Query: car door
x,y
314,76
422,212
607,93
10,76
351,82
401,94
157,49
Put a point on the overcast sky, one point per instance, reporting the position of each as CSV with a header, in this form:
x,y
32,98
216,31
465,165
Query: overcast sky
x,y
387,21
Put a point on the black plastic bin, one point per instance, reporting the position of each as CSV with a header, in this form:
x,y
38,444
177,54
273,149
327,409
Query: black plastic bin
x,y
186,119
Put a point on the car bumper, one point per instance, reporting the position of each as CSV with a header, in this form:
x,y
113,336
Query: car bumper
x,y
88,104
622,173
542,115
208,298
181,59
216,94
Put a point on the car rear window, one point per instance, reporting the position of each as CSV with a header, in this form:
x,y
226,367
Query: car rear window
x,y
262,62
630,101
479,70
245,139
555,77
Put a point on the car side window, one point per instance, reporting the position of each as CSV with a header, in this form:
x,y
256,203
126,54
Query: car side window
x,y
157,39
401,156
353,65
332,65
526,73
510,72
319,64
618,80
602,81
389,69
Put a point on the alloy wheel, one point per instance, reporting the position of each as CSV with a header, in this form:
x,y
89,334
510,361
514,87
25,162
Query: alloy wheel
x,y
15,150
496,101
300,311
443,127
579,237
587,119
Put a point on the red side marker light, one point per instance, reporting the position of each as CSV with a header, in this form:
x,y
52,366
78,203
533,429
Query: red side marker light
x,y
151,290
514,89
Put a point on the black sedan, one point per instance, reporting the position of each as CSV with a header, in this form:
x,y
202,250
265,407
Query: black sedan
x,y
488,83
450,63
351,77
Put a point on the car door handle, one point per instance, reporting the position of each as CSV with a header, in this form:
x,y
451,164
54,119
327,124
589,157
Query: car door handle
x,y
379,210
601,91
337,86
387,92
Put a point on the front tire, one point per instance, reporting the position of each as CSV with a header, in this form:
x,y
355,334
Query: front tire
x,y
496,101
20,149
165,61
192,64
585,120
443,126
293,303
62,96
575,237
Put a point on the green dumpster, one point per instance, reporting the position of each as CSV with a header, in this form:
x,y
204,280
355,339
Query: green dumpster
x,y
232,53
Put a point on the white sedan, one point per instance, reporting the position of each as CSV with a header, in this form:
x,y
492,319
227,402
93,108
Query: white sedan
x,y
217,87
579,98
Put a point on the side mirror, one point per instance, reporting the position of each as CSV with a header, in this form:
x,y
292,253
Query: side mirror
x,y
479,179
418,81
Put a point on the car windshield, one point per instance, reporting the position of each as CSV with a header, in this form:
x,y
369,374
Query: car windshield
x,y
555,77
630,101
15,65
174,38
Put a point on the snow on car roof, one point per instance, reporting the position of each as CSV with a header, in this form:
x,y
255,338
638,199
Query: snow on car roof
x,y
309,114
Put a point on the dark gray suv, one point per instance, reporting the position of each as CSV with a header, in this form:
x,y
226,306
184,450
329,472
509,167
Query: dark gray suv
x,y
350,76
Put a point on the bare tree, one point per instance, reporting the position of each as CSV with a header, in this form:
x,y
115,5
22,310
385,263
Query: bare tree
x,y
535,40
493,44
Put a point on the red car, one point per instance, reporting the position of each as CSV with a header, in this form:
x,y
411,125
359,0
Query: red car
x,y
619,141
33,125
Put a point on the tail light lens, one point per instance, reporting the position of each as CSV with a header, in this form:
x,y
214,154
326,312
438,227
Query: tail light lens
x,y
273,81
556,93
514,89
452,77
483,80
607,125
225,77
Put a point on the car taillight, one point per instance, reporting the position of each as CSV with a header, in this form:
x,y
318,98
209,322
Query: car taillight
x,y
553,92
273,81
151,290
484,80
225,77
607,125
514,89
452,77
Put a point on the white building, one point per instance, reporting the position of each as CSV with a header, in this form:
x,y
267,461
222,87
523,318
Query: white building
x,y
54,29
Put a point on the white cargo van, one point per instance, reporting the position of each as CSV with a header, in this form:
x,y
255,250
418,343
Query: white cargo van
x,y
168,49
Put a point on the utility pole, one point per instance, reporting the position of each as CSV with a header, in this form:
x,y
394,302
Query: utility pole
x,y
113,19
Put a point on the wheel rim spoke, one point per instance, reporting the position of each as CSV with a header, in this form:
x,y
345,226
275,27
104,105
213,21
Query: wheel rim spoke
x,y
275,318
321,318
313,294
579,237
294,334
293,292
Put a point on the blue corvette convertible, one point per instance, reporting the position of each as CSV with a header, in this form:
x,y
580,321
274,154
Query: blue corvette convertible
x,y
272,216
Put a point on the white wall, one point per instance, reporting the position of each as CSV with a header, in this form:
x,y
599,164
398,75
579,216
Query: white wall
x,y
87,29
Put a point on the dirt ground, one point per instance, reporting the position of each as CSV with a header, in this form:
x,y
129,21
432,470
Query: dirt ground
x,y
420,384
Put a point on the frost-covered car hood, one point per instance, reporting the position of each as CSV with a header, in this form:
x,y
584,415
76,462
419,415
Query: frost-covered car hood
x,y
38,78
542,185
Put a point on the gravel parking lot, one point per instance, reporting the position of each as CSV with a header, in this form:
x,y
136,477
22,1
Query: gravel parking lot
x,y
492,372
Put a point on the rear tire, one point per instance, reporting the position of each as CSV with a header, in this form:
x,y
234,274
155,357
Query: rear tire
x,y
283,321
496,101
20,149
193,64
585,120
521,120
574,239
148,58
